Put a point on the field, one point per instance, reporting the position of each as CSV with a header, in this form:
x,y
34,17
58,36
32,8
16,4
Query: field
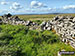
x,y
42,17
18,40
36,17
0,16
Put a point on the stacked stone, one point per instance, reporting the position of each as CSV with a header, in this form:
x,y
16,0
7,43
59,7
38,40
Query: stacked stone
x,y
46,25
15,20
65,27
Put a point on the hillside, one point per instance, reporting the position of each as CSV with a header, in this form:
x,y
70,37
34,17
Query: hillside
x,y
17,39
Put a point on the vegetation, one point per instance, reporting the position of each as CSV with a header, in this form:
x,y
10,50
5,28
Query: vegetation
x,y
36,17
18,40
41,17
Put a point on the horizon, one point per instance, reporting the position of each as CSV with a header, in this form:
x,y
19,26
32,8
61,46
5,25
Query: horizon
x,y
36,6
39,14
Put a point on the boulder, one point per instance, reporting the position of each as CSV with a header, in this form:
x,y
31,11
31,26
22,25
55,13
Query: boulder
x,y
74,19
43,23
28,23
49,28
56,18
16,18
6,15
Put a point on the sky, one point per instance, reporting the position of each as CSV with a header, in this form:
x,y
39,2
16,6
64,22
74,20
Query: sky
x,y
36,6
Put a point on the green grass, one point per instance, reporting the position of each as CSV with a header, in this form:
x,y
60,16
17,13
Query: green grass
x,y
20,41
36,17
41,17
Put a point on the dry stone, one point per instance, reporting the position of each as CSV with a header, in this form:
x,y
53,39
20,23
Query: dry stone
x,y
63,25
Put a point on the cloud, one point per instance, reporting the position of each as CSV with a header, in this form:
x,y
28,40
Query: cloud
x,y
16,6
37,4
69,7
4,3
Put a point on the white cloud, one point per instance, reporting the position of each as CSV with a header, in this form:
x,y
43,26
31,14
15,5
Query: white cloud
x,y
4,3
37,4
16,6
69,7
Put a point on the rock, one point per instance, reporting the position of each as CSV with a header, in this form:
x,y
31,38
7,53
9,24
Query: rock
x,y
6,15
28,23
44,28
63,25
59,53
33,23
15,18
47,24
74,19
56,18
43,23
49,28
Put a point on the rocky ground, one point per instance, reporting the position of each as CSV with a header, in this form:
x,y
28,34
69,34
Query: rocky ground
x,y
63,25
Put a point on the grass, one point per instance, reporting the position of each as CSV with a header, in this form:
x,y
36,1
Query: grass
x,y
37,17
41,17
27,42
0,16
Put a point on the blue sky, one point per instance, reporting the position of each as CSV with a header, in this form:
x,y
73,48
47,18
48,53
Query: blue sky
x,y
36,6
